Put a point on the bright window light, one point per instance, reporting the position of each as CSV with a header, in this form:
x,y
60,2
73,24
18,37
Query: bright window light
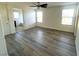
x,y
67,21
67,16
39,16
16,14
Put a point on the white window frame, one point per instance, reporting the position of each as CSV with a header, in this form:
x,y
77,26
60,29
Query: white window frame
x,y
16,14
66,16
39,16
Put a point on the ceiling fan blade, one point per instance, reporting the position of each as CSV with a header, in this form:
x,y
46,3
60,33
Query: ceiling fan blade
x,y
43,5
33,6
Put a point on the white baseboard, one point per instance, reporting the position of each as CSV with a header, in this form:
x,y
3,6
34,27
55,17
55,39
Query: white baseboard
x,y
29,26
52,28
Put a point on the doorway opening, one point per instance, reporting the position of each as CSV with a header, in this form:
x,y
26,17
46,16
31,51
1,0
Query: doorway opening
x,y
18,19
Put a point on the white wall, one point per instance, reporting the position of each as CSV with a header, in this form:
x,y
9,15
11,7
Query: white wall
x,y
76,20
77,34
3,50
29,17
77,43
5,21
77,38
52,18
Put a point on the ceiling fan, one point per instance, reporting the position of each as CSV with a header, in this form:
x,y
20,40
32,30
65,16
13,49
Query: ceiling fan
x,y
39,5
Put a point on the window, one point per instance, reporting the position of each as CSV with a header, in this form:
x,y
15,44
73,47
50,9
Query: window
x,y
39,16
16,14
67,16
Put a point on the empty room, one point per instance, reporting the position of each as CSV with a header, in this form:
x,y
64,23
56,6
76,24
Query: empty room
x,y
39,28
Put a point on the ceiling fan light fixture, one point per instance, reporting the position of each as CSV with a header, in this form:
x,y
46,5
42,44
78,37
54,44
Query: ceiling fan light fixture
x,y
40,5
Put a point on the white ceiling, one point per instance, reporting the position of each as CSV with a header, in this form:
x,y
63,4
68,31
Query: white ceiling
x,y
50,4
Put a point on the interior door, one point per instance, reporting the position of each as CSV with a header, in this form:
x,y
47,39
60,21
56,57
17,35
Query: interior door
x,y
17,16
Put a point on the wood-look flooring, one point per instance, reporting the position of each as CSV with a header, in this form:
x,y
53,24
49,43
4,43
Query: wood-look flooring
x,y
41,42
